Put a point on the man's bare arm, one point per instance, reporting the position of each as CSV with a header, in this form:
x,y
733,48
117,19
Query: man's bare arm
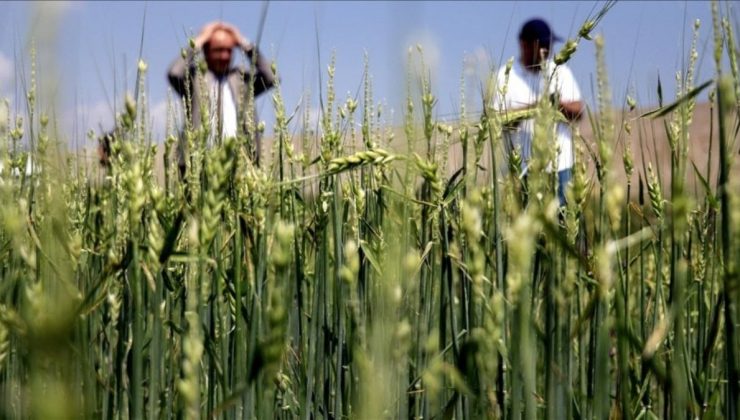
x,y
573,111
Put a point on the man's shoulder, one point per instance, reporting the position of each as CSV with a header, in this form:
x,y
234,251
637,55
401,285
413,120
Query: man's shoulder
x,y
503,68
514,72
238,69
238,72
561,69
566,82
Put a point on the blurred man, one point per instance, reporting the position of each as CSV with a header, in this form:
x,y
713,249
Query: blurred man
x,y
224,87
532,77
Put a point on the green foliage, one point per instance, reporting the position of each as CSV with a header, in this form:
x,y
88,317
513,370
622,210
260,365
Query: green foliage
x,y
393,290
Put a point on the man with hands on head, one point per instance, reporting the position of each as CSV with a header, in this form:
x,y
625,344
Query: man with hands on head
x,y
222,88
532,77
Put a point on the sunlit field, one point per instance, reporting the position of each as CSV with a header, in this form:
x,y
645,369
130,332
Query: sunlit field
x,y
365,270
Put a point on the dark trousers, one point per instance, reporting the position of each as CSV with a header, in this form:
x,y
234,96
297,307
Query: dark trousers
x,y
564,178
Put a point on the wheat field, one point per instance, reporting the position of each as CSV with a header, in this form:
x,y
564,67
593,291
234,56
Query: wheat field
x,y
367,271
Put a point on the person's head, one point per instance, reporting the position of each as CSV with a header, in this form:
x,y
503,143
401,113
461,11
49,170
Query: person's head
x,y
218,51
535,40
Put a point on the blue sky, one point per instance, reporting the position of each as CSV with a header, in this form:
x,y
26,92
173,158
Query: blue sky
x,y
93,41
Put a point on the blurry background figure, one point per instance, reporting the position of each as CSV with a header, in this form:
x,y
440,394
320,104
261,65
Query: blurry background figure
x,y
104,148
224,91
534,76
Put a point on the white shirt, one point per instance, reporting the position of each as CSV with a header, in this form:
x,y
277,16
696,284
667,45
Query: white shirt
x,y
228,110
228,107
524,89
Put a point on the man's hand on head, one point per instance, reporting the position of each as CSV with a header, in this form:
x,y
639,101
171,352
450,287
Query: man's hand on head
x,y
239,39
205,34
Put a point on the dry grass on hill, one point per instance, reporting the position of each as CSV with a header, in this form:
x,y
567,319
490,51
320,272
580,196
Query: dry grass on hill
x,y
648,139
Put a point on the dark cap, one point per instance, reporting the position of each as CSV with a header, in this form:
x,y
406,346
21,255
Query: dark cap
x,y
538,29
